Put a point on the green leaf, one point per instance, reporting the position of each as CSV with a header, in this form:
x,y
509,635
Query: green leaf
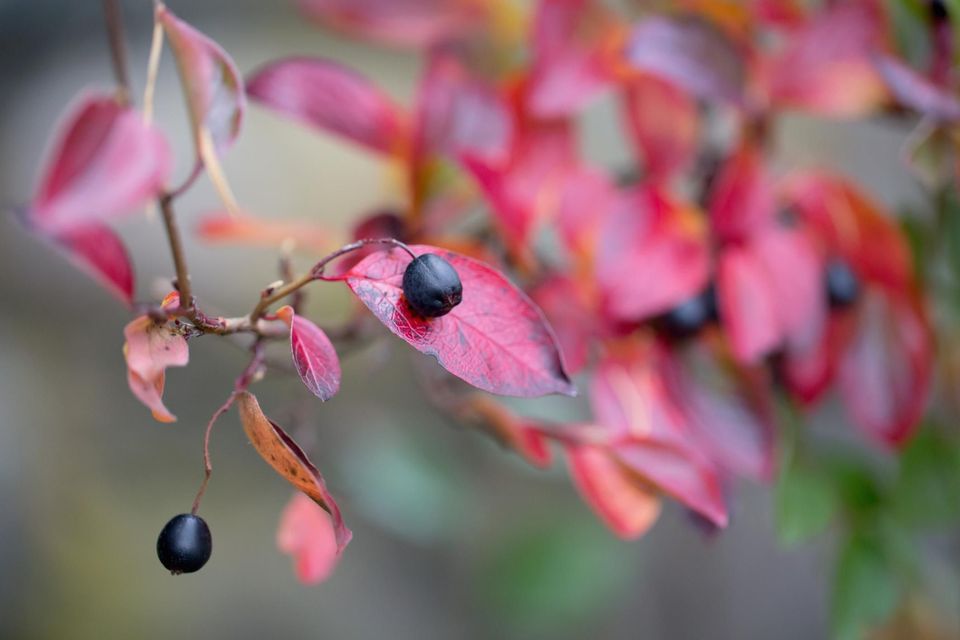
x,y
927,491
865,589
805,503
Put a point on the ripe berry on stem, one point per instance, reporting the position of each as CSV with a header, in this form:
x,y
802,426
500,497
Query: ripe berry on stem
x,y
843,286
690,316
431,286
185,544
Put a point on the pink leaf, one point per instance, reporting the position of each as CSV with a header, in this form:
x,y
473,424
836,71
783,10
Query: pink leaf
x,y
653,254
496,339
224,227
664,124
106,162
313,355
826,67
747,304
742,198
306,533
569,313
287,458
885,372
627,504
586,197
461,114
211,82
149,349
408,23
99,252
333,98
914,91
691,53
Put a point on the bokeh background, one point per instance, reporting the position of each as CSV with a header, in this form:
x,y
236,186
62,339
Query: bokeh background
x,y
454,538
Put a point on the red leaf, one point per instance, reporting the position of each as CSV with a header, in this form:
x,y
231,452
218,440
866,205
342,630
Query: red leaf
x,y
586,197
313,355
288,459
570,315
106,162
664,124
742,199
149,349
460,114
331,97
885,372
306,533
408,23
914,91
826,67
627,504
496,339
523,436
99,252
653,254
691,53
747,304
211,82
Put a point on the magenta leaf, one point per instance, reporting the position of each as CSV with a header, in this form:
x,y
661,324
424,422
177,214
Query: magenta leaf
x,y
664,125
150,348
653,254
105,163
333,98
409,23
691,53
306,533
99,252
211,82
313,355
496,339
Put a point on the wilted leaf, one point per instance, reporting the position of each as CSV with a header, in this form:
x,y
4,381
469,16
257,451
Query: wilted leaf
x,y
306,533
627,504
496,339
211,82
331,97
288,459
409,23
653,254
149,349
691,53
105,163
313,355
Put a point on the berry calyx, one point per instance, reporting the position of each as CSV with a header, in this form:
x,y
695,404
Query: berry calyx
x,y
690,316
431,286
843,286
185,544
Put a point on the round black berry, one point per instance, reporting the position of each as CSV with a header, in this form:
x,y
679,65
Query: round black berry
x,y
690,316
431,286
843,286
185,544
939,11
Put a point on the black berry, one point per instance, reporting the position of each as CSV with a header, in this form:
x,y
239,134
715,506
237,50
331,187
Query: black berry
x,y
938,11
843,286
185,544
690,316
431,286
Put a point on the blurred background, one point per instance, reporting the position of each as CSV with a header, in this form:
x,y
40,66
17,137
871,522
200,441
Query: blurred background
x,y
453,538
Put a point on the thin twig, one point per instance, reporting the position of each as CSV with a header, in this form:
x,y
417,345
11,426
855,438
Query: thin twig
x,y
118,51
176,250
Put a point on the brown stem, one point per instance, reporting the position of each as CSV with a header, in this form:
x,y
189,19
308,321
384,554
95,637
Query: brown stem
x,y
118,51
243,381
179,258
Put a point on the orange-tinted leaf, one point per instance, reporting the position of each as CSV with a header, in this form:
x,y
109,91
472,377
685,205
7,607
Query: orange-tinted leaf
x,y
328,96
149,349
223,227
288,459
496,339
625,503
211,82
306,533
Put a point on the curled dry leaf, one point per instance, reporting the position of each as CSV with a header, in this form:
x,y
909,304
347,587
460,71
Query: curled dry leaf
x,y
149,349
288,459
331,97
496,339
313,355
307,534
